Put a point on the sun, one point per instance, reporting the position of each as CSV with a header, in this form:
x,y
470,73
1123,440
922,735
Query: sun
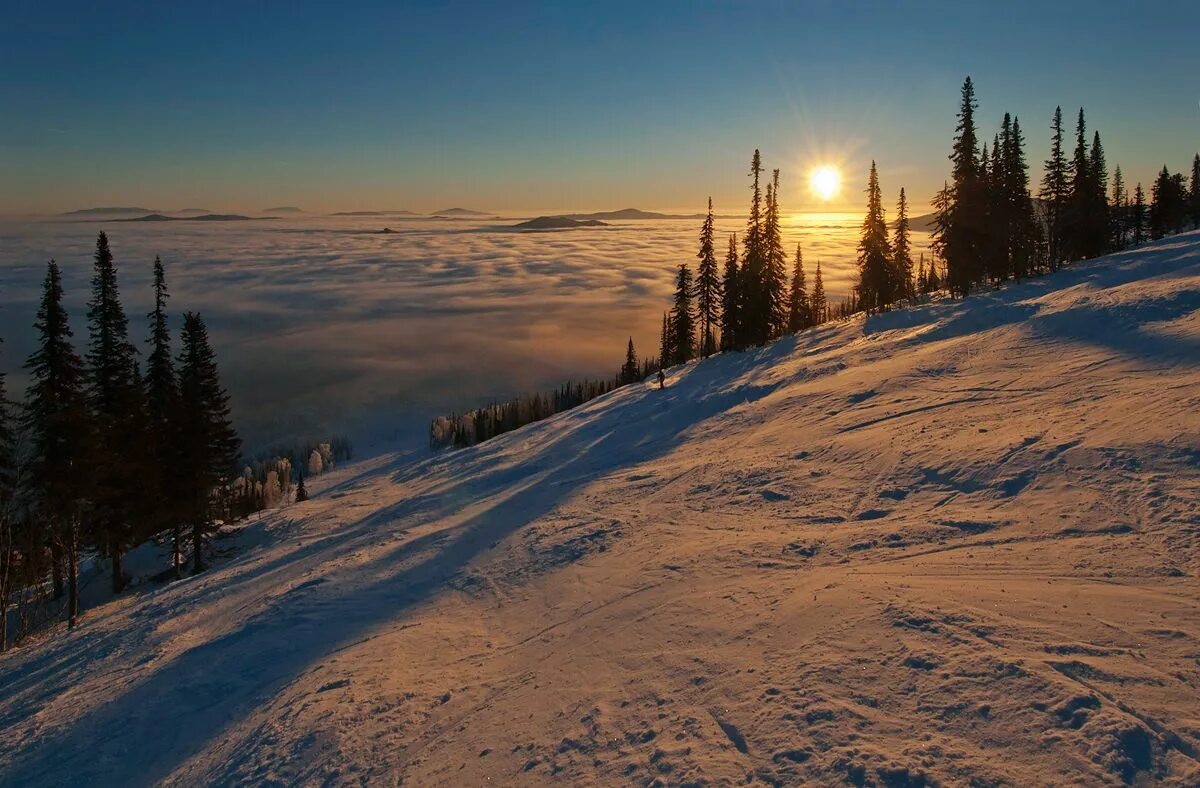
x,y
825,182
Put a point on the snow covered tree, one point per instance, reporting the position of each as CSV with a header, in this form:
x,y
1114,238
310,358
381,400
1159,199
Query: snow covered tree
x,y
874,264
1055,191
708,287
902,265
731,280
682,324
207,441
799,310
55,417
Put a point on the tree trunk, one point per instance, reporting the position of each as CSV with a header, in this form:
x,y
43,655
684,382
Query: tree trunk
x,y
72,578
118,578
177,550
197,549
56,569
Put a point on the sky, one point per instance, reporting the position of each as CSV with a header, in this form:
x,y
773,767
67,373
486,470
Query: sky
x,y
530,107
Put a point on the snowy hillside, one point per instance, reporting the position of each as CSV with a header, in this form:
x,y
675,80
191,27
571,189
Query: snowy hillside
x,y
956,544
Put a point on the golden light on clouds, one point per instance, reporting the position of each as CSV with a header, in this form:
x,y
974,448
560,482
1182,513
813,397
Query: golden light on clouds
x,y
825,182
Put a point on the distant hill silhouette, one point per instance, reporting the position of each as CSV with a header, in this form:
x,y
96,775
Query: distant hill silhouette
x,y
375,213
107,211
192,211
208,217
284,209
459,212
632,213
558,223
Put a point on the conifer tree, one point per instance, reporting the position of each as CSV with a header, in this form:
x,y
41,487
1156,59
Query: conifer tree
x,y
708,287
55,417
1195,194
754,305
1080,226
874,277
1054,194
775,275
117,412
1118,215
301,491
1138,220
966,229
921,283
1024,232
819,306
629,370
161,402
933,282
902,264
1099,223
1168,208
731,280
666,351
9,536
943,203
207,441
682,323
799,311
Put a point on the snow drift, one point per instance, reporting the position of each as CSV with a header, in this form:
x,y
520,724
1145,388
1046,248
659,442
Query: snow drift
x,y
954,544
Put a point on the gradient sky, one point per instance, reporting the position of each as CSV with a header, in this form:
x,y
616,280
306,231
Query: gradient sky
x,y
560,105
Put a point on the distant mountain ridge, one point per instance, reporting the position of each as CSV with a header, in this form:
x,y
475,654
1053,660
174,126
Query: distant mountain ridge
x,y
107,211
208,217
460,212
284,209
558,223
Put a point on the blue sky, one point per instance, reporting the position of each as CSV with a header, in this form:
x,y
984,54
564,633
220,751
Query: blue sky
x,y
527,106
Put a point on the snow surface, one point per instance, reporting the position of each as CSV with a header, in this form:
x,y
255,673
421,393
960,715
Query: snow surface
x,y
954,544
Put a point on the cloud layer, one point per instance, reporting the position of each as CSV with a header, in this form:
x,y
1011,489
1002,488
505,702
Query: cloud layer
x,y
326,324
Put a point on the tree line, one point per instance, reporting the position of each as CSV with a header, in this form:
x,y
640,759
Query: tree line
x,y
106,453
987,228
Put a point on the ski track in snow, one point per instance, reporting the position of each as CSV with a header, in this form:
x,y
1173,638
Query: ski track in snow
x,y
952,544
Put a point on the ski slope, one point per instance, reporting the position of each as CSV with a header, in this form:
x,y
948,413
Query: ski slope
x,y
956,544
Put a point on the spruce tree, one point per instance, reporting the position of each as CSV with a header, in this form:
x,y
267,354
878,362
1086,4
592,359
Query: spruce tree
x,y
682,323
1195,193
1117,213
708,287
666,352
1169,207
1024,232
1054,194
874,276
755,309
207,441
799,310
1099,224
301,491
775,273
55,418
1138,220
902,265
1080,203
731,297
819,306
629,370
117,410
161,405
967,214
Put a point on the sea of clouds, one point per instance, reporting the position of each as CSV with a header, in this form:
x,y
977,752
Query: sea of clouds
x,y
324,324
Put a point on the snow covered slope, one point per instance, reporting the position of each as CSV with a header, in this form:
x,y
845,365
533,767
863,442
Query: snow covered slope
x,y
955,544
